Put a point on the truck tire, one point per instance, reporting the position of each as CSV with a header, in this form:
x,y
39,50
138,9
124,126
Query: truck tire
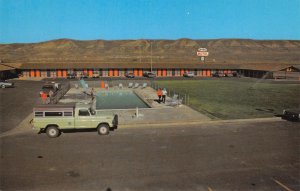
x,y
103,129
3,86
52,131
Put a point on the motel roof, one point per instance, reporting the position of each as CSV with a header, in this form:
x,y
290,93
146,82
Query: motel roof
x,y
144,65
114,65
4,67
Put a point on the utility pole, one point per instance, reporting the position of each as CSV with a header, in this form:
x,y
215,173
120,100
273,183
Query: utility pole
x,y
141,54
151,55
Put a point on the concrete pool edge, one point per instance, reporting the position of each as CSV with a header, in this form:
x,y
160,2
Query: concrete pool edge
x,y
142,98
200,122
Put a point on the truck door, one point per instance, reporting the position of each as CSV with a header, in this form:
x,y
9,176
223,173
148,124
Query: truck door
x,y
83,119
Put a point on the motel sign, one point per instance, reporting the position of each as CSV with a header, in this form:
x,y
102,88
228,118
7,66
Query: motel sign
x,y
202,52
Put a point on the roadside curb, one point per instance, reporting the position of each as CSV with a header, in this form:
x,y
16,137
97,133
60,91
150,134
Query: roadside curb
x,y
163,124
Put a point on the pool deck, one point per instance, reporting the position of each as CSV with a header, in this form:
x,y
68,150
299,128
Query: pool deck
x,y
158,113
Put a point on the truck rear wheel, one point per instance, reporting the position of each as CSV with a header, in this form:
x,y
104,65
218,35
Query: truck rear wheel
x,y
52,131
103,129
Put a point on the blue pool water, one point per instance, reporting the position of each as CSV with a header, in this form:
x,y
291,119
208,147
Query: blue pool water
x,y
118,99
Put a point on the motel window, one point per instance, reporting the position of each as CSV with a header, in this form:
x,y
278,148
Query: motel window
x,y
68,113
38,114
53,114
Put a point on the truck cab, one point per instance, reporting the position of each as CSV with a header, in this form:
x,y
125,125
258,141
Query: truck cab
x,y
54,119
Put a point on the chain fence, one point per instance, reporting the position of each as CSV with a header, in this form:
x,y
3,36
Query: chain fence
x,y
173,93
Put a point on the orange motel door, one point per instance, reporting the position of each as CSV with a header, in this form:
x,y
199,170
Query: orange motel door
x,y
182,72
140,72
59,73
111,72
116,72
90,73
38,73
158,72
135,72
32,73
164,73
64,73
208,73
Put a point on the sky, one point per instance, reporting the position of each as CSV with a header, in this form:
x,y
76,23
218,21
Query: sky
x,y
28,21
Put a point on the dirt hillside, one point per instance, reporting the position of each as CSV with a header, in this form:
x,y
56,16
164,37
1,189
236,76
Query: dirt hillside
x,y
227,51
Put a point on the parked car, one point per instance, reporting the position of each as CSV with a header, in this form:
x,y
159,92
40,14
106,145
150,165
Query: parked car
x,y
6,84
224,75
235,74
189,74
84,76
291,114
149,74
71,76
129,75
47,87
53,119
216,74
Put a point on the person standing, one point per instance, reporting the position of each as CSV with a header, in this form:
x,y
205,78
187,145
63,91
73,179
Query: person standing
x,y
51,93
159,94
50,96
93,94
44,97
164,94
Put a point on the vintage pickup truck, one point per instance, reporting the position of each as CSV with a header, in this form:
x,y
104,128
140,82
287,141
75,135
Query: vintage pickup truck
x,y
53,119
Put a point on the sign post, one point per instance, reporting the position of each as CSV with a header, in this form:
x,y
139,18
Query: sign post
x,y
202,52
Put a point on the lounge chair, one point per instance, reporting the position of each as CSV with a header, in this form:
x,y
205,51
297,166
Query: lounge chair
x,y
76,86
175,97
120,86
175,101
82,83
130,85
106,86
136,85
144,85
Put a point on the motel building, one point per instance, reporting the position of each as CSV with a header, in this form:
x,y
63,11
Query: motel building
x,y
78,69
62,70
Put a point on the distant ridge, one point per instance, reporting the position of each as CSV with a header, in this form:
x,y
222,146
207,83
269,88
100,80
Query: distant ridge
x,y
222,51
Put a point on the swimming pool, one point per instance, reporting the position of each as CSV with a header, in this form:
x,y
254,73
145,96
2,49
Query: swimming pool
x,y
118,99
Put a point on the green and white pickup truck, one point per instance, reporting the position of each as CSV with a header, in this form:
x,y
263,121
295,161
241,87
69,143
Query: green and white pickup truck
x,y
53,119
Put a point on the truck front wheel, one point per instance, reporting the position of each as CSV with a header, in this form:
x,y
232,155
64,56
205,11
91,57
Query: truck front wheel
x,y
52,131
103,129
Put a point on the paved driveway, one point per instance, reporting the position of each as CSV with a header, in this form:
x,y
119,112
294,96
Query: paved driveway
x,y
17,103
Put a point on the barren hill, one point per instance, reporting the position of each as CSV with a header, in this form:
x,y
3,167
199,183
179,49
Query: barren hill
x,y
221,51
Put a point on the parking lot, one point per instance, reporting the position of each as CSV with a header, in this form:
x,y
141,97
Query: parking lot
x,y
17,102
253,154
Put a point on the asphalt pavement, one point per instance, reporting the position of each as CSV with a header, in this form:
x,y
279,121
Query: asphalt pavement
x,y
17,103
214,156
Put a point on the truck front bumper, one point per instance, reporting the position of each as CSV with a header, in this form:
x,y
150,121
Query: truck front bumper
x,y
115,121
